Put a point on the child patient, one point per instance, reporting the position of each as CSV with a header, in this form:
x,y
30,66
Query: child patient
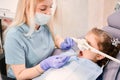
x,y
87,65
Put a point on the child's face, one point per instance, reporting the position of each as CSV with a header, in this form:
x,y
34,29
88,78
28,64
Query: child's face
x,y
92,41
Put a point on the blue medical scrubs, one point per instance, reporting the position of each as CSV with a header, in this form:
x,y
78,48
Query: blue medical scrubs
x,y
21,49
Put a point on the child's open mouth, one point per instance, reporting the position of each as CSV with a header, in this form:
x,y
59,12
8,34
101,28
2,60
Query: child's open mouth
x,y
81,53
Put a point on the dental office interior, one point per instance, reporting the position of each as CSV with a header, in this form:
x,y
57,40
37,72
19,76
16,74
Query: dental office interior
x,y
72,18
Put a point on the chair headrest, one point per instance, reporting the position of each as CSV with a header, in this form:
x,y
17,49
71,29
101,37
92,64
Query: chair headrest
x,y
114,20
114,32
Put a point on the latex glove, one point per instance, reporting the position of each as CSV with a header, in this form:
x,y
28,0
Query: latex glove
x,y
56,61
67,44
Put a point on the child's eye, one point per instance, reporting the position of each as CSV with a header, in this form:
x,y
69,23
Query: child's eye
x,y
88,42
51,6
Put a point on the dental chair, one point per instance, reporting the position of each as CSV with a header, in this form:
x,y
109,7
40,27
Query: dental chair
x,y
112,69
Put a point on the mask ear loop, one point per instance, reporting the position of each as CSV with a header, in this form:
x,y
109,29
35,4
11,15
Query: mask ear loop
x,y
83,44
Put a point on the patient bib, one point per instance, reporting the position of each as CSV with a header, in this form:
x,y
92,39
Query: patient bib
x,y
75,69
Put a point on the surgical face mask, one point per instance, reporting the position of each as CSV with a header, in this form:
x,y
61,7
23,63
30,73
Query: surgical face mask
x,y
42,19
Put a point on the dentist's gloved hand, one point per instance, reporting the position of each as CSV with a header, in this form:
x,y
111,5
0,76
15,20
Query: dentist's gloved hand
x,y
56,61
67,44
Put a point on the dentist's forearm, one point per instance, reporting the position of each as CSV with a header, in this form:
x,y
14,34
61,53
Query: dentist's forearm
x,y
27,73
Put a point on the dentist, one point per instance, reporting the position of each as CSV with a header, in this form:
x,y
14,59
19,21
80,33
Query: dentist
x,y
29,41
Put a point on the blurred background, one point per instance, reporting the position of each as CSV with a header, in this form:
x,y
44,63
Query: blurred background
x,y
78,16
74,17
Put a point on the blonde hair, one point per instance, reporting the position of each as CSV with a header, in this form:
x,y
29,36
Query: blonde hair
x,y
25,14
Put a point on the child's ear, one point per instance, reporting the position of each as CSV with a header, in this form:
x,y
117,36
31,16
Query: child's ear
x,y
100,57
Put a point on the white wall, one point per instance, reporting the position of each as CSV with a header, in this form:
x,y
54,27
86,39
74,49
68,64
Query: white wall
x,y
78,16
75,17
8,4
72,18
8,8
95,15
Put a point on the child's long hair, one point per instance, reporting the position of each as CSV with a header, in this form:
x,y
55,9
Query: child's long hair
x,y
105,45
